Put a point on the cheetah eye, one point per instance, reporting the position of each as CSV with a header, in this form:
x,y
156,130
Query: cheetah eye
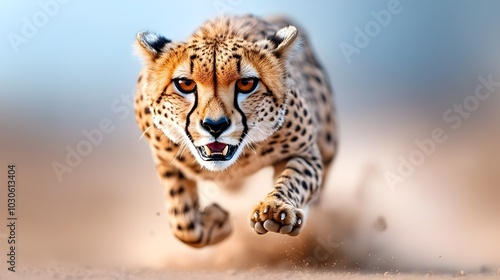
x,y
185,85
246,85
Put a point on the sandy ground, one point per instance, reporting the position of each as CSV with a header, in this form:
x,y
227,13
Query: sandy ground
x,y
433,227
93,273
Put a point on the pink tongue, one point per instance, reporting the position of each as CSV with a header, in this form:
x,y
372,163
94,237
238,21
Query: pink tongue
x,y
216,147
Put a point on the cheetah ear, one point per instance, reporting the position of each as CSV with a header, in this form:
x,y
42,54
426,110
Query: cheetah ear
x,y
150,45
283,41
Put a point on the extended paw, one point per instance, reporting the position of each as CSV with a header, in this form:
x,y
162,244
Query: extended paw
x,y
276,216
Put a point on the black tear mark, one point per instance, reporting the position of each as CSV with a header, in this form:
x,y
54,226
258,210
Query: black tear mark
x,y
189,115
243,116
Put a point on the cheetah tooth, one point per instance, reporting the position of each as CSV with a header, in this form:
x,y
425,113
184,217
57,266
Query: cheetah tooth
x,y
208,151
224,152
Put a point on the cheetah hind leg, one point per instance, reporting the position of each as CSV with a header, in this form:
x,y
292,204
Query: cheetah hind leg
x,y
216,224
213,226
190,224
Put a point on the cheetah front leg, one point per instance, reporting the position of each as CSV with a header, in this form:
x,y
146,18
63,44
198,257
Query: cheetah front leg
x,y
190,225
299,183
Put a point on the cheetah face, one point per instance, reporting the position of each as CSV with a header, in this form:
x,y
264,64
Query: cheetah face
x,y
216,95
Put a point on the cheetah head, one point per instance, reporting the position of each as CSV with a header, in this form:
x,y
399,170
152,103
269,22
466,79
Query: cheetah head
x,y
216,94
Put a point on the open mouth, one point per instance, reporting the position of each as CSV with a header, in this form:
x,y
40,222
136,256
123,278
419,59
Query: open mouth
x,y
217,151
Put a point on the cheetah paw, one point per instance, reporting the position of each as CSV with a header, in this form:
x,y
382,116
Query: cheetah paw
x,y
213,227
216,223
276,216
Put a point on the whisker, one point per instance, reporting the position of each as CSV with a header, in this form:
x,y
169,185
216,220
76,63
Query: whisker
x,y
146,130
249,145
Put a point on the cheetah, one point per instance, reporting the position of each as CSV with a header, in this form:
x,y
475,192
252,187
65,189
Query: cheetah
x,y
240,94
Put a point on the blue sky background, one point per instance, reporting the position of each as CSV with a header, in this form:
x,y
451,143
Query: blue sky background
x,y
82,58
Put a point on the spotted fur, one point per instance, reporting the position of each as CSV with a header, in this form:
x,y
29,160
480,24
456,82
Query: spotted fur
x,y
287,122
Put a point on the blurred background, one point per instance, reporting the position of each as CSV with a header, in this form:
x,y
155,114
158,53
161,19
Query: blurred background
x,y
399,69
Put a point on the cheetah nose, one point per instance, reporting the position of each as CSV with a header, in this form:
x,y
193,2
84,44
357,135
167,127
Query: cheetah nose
x,y
215,127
